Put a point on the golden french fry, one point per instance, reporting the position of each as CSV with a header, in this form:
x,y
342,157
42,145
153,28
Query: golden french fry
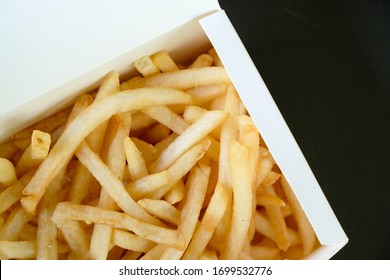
x,y
164,62
271,178
148,185
205,94
167,117
13,193
131,241
66,211
196,185
35,153
135,161
176,193
213,215
113,154
269,200
202,60
192,135
161,209
146,66
185,79
18,249
154,253
47,231
7,172
242,200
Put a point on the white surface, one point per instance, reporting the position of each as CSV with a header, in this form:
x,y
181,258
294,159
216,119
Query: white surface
x,y
47,43
275,132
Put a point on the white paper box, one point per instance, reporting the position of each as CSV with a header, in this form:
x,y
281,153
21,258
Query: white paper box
x,y
43,70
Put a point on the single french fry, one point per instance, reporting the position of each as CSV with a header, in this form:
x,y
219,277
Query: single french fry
x,y
146,66
185,79
196,185
269,200
7,172
113,154
205,94
82,177
242,201
164,62
47,231
271,178
192,135
167,117
68,211
18,249
148,185
131,241
161,209
202,60
212,216
95,139
155,253
229,134
135,161
13,193
129,84
264,167
35,153
176,193
80,127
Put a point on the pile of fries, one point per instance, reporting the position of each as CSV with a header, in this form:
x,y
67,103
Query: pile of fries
x,y
166,165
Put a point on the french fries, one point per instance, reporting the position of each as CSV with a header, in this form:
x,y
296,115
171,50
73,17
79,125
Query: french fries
x,y
166,165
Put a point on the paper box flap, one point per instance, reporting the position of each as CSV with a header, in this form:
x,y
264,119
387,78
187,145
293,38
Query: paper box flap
x,y
45,44
274,130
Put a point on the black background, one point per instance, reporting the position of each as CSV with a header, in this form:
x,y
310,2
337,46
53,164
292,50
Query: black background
x,y
327,66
